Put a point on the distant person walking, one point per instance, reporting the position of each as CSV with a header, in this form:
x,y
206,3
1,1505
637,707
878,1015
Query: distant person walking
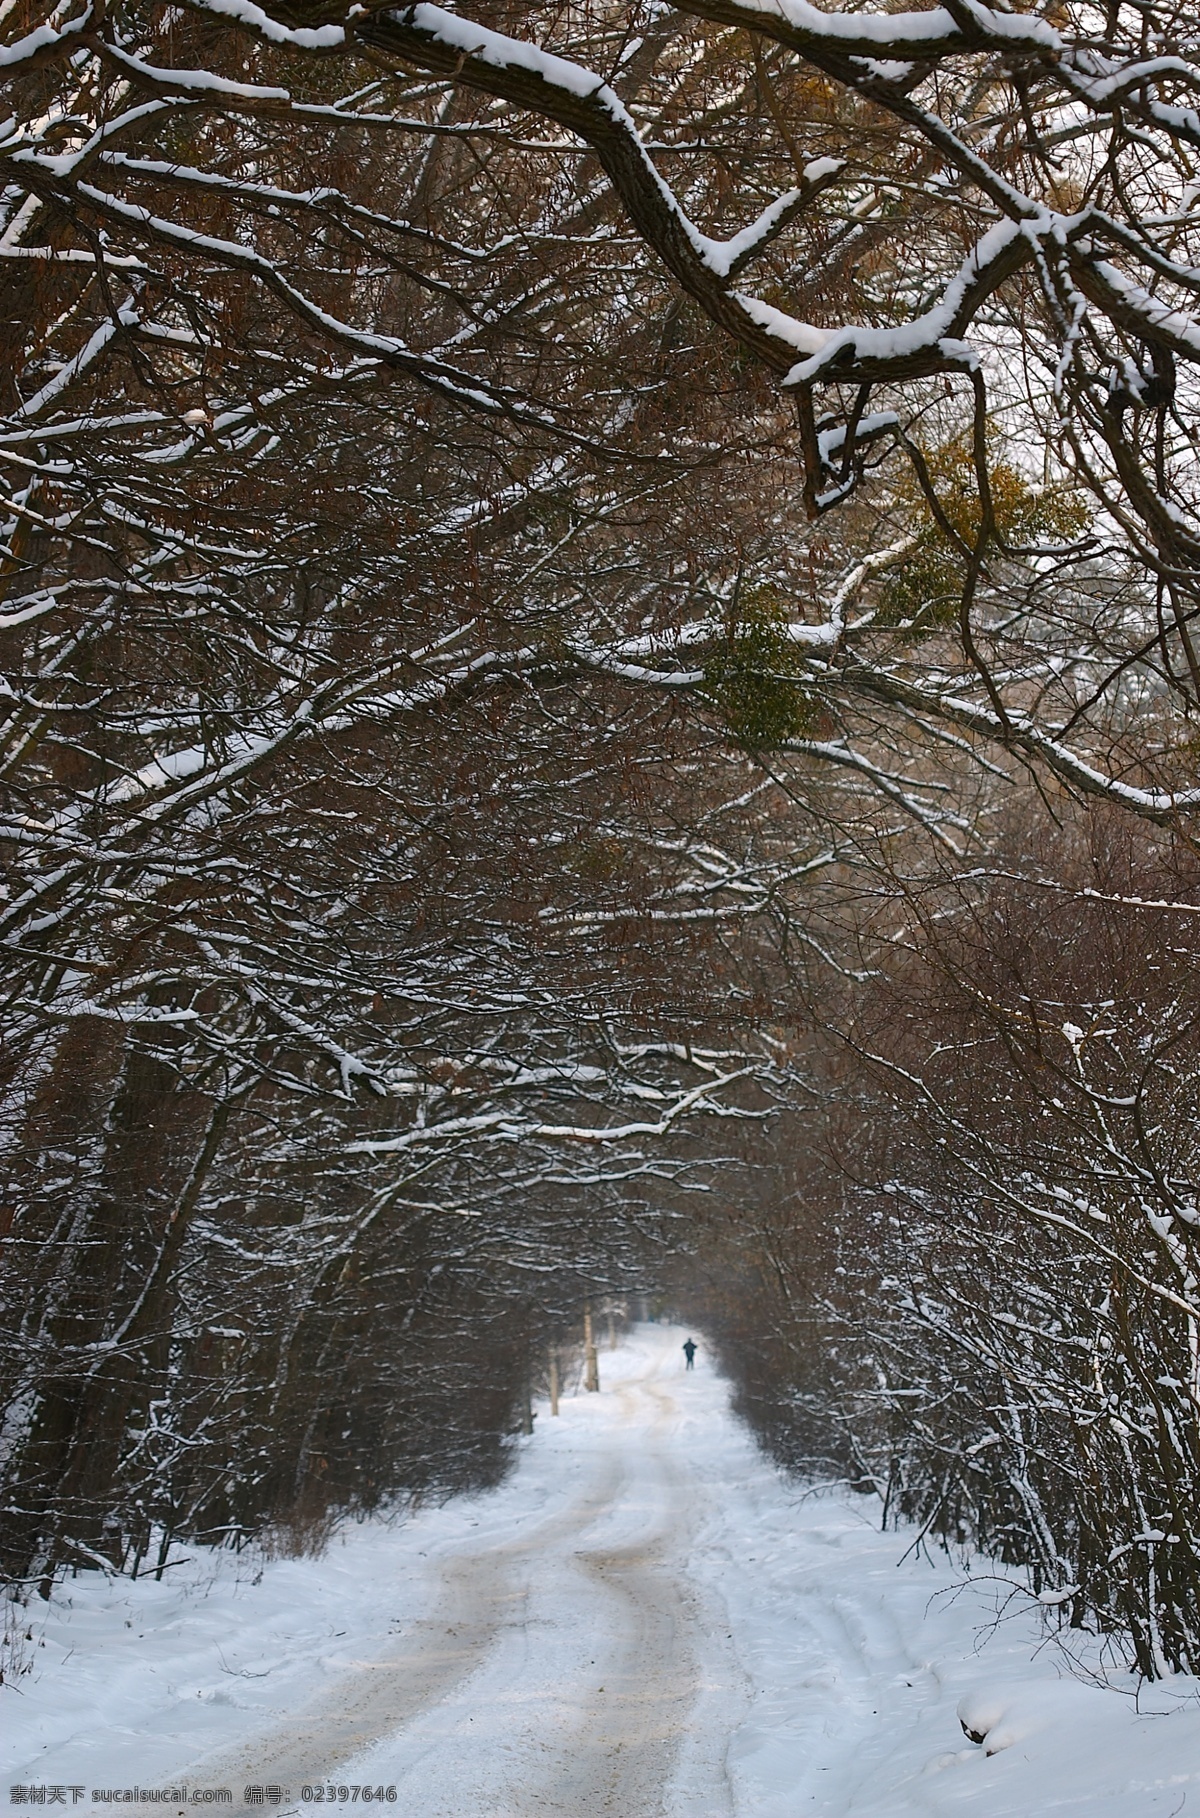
x,y
689,1351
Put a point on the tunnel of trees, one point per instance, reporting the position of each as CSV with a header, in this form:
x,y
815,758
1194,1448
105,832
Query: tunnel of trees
x,y
601,699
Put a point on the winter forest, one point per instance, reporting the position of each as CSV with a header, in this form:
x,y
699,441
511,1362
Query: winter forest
x,y
600,618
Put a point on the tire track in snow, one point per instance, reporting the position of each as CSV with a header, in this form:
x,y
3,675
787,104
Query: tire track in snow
x,y
621,1755
483,1593
558,1674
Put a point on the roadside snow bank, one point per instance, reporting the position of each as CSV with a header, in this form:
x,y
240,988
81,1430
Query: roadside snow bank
x,y
865,1659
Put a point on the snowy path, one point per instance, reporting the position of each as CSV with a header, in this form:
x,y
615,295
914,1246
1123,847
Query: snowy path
x,y
645,1619
558,1666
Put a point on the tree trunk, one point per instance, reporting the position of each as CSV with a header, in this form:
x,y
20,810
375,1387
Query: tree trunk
x,y
591,1364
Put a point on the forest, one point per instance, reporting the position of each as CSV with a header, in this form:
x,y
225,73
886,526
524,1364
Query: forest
x,y
600,703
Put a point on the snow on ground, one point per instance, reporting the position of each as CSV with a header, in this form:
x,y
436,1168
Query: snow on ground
x,y
646,1617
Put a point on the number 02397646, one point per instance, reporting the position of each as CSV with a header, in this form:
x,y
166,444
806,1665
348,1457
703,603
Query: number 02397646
x,y
348,1795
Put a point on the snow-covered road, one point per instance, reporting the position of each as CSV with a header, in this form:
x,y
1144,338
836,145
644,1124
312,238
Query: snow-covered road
x,y
555,1664
646,1618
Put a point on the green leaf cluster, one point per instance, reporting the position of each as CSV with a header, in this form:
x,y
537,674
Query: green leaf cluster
x,y
754,678
924,593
